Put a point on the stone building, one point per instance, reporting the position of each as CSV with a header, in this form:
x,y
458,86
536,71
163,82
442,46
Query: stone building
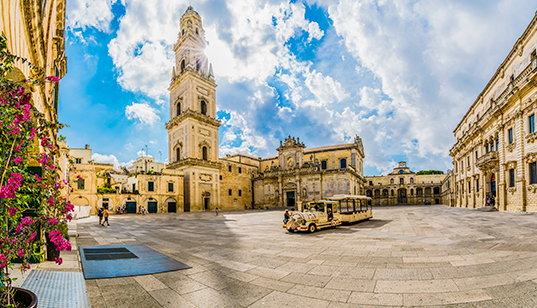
x,y
146,164
495,152
35,31
402,186
241,181
98,184
299,174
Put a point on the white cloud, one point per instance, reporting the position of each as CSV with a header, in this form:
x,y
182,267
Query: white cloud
x,y
142,50
240,131
109,159
430,58
82,14
142,153
142,112
254,44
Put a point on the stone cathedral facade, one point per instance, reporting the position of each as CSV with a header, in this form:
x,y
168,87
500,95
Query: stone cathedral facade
x,y
242,181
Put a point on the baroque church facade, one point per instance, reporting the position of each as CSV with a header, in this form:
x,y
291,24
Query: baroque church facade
x,y
242,181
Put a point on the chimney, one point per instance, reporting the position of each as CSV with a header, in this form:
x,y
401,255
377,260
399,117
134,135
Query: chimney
x,y
87,146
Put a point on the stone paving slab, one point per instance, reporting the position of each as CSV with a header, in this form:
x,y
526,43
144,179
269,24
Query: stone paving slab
x,y
406,256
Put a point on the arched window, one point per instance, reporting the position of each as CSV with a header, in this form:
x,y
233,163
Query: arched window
x,y
402,180
391,181
178,154
197,31
204,153
436,191
203,107
178,108
198,65
411,180
343,163
183,65
392,193
183,32
411,192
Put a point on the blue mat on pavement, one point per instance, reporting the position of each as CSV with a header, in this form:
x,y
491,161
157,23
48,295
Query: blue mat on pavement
x,y
58,289
113,261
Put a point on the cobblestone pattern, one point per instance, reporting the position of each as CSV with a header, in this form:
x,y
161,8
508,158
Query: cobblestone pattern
x,y
406,256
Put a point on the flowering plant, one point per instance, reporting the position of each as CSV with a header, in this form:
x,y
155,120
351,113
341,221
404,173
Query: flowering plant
x,y
30,181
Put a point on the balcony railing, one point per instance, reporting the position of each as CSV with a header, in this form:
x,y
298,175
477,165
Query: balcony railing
x,y
488,160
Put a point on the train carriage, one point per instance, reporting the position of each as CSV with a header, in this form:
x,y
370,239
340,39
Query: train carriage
x,y
353,208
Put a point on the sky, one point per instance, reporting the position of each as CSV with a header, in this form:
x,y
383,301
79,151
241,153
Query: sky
x,y
399,74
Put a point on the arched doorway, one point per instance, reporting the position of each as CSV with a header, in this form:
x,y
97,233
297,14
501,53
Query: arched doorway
x,y
130,207
401,196
493,185
171,204
152,206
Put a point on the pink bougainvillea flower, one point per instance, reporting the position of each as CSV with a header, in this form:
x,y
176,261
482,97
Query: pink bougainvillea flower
x,y
53,78
58,260
12,211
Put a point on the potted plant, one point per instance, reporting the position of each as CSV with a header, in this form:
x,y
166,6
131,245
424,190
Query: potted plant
x,y
30,180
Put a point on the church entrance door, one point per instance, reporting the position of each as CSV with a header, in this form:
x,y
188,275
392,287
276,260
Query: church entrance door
x,y
206,203
290,198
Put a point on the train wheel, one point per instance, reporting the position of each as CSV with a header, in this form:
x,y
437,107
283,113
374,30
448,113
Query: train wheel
x,y
312,228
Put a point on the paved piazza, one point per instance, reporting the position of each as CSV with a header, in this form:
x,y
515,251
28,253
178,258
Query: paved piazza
x,y
404,256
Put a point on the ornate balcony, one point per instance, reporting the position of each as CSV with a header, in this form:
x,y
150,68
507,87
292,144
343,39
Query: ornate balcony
x,y
488,161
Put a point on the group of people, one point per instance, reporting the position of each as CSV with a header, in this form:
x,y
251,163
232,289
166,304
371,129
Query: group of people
x,y
121,210
491,200
103,216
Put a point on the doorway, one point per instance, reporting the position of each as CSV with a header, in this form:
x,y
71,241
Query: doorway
x,y
131,207
206,202
493,185
172,207
290,198
401,196
152,207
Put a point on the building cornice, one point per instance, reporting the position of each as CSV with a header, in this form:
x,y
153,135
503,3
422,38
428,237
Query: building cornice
x,y
189,113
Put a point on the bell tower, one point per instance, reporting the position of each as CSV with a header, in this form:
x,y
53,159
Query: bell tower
x,y
193,127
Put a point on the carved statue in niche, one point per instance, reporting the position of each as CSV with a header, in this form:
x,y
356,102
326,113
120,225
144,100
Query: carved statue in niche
x,y
290,163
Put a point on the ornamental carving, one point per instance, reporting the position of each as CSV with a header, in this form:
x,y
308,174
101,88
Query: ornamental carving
x,y
511,190
511,147
532,188
531,157
205,177
510,164
530,138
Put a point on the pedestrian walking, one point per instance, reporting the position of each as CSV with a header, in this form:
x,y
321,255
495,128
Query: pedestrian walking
x,y
286,217
100,214
143,210
216,211
105,215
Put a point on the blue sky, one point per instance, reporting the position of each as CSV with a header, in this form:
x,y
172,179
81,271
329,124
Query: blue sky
x,y
399,74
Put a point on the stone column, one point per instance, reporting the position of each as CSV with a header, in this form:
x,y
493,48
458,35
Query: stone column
x,y
280,190
520,178
500,189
